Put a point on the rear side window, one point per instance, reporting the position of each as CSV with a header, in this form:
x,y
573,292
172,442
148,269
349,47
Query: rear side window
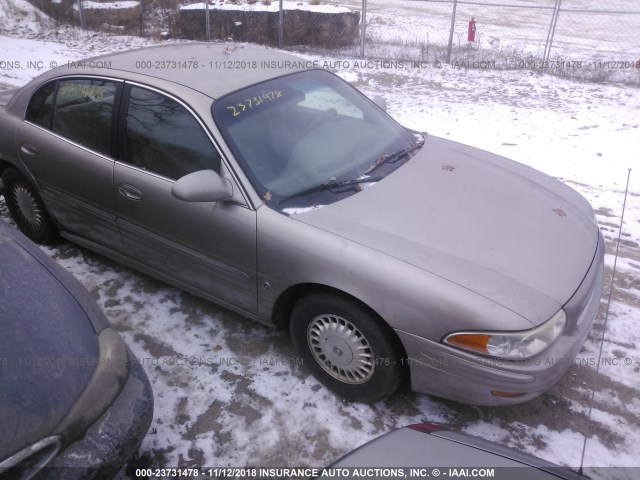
x,y
40,106
83,112
162,136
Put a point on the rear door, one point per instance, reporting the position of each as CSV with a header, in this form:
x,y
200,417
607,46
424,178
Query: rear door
x,y
210,247
67,142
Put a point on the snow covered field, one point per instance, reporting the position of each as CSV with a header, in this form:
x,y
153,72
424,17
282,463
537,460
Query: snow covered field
x,y
522,27
229,392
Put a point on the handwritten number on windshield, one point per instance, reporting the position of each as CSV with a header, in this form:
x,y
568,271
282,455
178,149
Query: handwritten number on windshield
x,y
249,103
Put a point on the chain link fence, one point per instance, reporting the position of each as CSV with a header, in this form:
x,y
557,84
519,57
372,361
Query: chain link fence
x,y
571,38
583,39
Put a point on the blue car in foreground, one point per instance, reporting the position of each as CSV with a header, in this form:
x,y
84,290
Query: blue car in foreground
x,y
72,394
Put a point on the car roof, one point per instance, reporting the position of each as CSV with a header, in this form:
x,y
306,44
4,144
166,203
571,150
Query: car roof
x,y
414,447
213,69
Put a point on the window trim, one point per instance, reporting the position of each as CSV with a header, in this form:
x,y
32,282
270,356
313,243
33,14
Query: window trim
x,y
53,103
122,122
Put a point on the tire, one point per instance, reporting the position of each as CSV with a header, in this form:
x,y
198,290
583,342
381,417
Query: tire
x,y
26,207
327,329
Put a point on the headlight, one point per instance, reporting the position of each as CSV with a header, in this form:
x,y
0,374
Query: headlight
x,y
511,345
106,383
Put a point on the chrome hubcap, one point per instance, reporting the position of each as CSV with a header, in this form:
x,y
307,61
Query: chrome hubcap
x,y
341,349
28,206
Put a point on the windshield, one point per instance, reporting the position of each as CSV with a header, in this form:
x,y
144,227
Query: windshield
x,y
310,139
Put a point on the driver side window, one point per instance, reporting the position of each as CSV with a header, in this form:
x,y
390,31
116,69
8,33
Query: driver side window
x,y
163,137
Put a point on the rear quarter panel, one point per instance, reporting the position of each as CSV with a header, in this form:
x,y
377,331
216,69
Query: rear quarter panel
x,y
12,107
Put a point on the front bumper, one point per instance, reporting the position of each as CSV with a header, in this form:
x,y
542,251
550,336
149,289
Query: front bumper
x,y
447,372
113,438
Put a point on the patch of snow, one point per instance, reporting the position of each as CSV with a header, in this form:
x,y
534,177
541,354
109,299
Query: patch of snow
x,y
21,15
92,5
272,7
296,210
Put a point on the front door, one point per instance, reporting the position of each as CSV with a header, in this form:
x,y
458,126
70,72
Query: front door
x,y
211,247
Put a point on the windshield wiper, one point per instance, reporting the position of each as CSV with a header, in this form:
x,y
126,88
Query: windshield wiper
x,y
331,185
394,157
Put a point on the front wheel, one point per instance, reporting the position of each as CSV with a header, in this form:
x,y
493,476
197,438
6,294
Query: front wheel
x,y
348,349
26,207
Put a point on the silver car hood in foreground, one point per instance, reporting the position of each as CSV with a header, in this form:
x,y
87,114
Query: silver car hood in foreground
x,y
503,230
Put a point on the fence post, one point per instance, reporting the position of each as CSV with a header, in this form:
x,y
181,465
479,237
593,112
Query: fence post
x,y
83,23
207,21
550,34
453,22
364,26
141,18
281,26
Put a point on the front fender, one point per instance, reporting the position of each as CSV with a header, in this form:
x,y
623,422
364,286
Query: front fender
x,y
408,298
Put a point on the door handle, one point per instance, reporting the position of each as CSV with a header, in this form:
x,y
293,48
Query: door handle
x,y
28,149
129,191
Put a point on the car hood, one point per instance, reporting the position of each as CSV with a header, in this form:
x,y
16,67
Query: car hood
x,y
503,230
47,345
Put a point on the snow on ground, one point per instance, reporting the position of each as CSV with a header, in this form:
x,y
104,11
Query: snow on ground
x,y
21,14
31,44
587,43
523,27
230,392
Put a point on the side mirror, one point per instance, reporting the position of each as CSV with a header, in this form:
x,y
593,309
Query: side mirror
x,y
381,102
202,186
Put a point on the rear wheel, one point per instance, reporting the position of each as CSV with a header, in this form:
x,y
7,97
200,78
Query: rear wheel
x,y
26,207
348,349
